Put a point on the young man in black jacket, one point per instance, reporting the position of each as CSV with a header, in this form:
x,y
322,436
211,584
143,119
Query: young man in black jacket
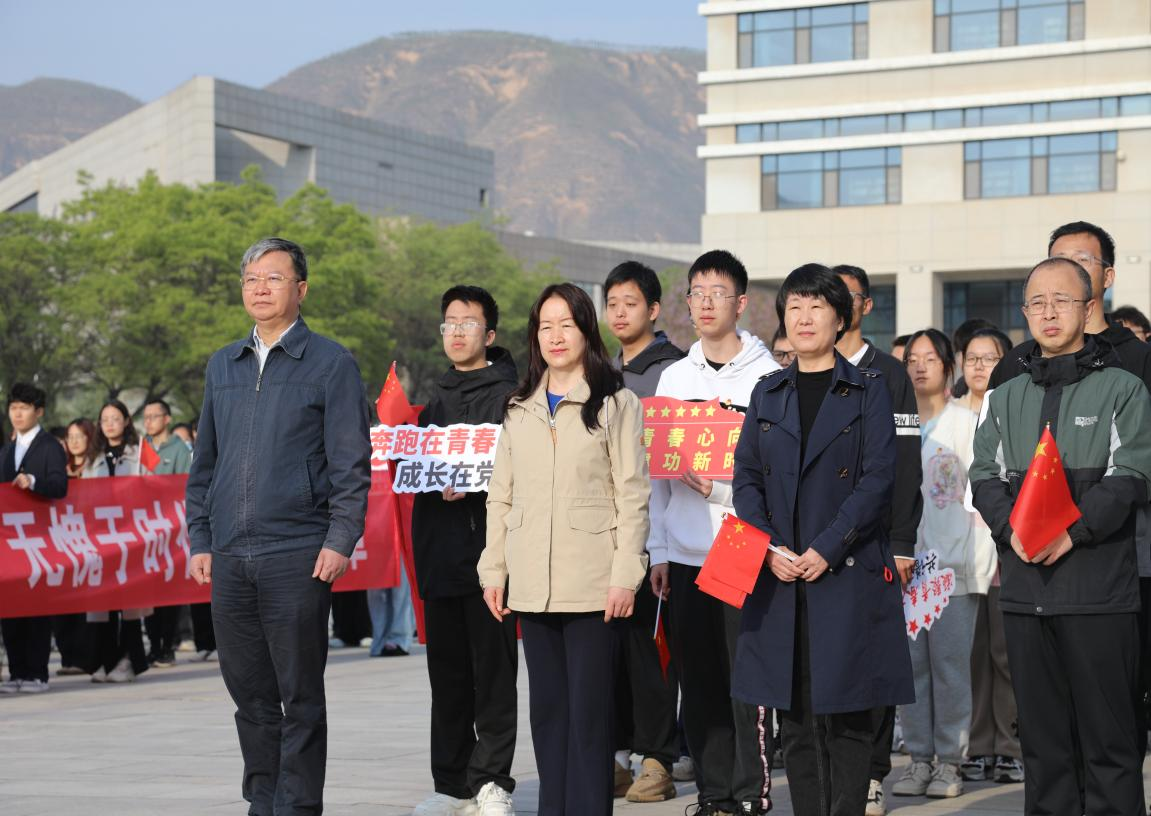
x,y
33,460
472,658
646,695
907,500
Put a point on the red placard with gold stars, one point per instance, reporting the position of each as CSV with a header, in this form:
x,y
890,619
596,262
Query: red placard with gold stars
x,y
696,436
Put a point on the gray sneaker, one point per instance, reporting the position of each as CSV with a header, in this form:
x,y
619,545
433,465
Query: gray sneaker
x,y
914,781
1008,769
978,769
875,805
946,783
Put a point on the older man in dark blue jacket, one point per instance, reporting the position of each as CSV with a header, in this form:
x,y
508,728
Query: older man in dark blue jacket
x,y
276,502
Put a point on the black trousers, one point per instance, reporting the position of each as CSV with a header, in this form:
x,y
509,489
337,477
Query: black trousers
x,y
472,665
1078,673
351,622
271,624
113,640
882,738
161,627
72,639
571,671
28,642
646,699
203,634
731,741
827,756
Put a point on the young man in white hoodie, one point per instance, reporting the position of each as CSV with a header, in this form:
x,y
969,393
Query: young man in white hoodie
x,y
730,741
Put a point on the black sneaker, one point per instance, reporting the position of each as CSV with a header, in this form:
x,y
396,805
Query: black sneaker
x,y
705,809
1008,769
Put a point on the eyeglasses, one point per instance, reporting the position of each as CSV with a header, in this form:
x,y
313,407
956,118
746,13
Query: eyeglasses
x,y
150,417
717,296
1037,307
784,358
929,360
980,361
468,327
1082,258
273,282
862,297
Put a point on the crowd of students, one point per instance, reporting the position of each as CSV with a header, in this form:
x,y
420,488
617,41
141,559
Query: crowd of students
x,y
853,460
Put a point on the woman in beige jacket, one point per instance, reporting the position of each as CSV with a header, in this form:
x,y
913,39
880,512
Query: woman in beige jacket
x,y
567,526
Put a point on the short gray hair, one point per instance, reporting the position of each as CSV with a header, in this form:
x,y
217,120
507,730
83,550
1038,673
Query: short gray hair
x,y
265,245
1084,277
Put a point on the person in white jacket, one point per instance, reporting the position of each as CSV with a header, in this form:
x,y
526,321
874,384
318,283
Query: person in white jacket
x,y
936,727
730,741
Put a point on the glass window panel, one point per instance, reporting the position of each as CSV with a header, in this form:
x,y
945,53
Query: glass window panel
x,y
1109,107
747,133
775,47
1006,115
803,18
1077,143
1006,148
894,156
1039,146
800,190
965,6
973,117
769,133
1074,109
806,129
1008,4
862,125
942,7
975,31
1109,141
1005,177
863,186
1073,174
832,43
831,160
800,161
767,164
861,12
1135,105
831,15
746,23
917,121
894,123
774,20
1040,112
862,158
830,127
1042,24
972,151
946,119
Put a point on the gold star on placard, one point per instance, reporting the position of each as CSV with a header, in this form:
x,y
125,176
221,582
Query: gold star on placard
x,y
650,413
680,411
695,412
665,413
710,410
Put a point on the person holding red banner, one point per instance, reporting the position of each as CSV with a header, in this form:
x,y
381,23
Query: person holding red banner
x,y
276,502
567,523
117,636
472,660
822,634
32,460
1070,596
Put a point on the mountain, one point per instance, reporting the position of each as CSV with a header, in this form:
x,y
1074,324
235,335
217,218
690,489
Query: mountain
x,y
43,115
591,141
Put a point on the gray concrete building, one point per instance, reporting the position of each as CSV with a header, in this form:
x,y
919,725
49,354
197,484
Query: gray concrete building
x,y
209,130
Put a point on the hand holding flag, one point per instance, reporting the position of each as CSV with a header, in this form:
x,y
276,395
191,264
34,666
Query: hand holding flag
x,y
1044,509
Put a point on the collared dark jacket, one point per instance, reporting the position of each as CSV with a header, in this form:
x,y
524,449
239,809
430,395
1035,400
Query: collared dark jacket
x,y
45,460
842,494
1100,416
641,373
907,498
448,537
282,457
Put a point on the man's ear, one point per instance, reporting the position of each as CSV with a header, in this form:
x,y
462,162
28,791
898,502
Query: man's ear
x,y
490,338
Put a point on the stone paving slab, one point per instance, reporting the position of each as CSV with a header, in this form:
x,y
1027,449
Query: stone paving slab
x,y
166,746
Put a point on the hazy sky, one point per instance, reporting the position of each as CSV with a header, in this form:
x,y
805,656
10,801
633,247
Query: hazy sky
x,y
147,48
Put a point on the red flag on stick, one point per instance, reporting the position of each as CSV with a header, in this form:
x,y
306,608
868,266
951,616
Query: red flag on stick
x,y
393,407
149,458
1044,509
734,561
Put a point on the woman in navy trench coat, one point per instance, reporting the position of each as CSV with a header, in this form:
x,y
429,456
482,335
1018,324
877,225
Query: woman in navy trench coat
x,y
822,636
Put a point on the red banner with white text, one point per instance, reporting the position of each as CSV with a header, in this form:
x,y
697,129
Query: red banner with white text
x,y
120,543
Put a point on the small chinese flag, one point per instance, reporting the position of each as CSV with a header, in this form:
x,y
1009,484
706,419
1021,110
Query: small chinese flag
x,y
1044,509
149,458
662,648
393,407
734,561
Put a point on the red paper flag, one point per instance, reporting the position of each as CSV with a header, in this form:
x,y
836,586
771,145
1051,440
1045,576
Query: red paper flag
x,y
393,407
707,582
661,647
149,459
1044,509
734,561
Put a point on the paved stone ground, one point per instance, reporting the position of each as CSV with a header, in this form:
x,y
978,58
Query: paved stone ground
x,y
166,746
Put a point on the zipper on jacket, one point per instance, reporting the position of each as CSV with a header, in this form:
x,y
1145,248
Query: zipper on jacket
x,y
552,426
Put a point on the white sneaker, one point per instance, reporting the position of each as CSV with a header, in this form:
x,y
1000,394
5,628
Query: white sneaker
x,y
440,804
683,770
875,804
946,783
492,800
123,673
33,687
100,676
914,781
206,654
10,687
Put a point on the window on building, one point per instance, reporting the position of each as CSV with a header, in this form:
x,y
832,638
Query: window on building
x,y
1042,165
997,301
989,116
879,326
961,25
797,36
845,178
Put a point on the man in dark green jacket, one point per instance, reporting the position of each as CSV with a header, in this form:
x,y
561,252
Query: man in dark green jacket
x,y
1070,612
